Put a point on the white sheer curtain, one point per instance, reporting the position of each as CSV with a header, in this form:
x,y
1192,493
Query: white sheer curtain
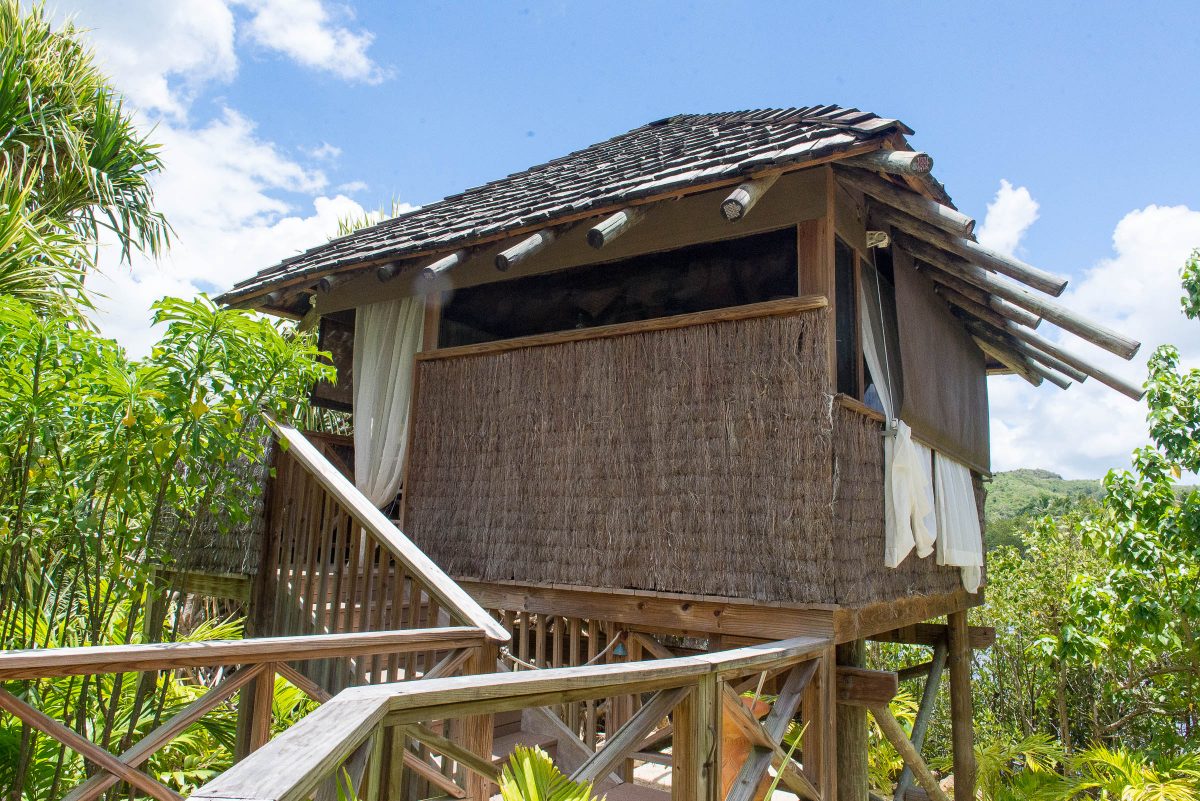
x,y
387,337
907,469
959,539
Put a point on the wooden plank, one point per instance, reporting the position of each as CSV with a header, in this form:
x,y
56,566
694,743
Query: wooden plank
x,y
945,218
446,747
962,727
624,742
664,612
771,308
296,762
980,637
169,730
48,662
899,739
478,730
86,748
260,707
377,524
861,687
432,775
303,683
449,665
874,621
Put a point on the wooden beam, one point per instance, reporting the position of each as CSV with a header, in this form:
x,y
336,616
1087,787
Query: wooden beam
x,y
765,746
928,211
47,662
432,775
930,634
384,531
962,726
1038,363
853,759
1012,361
327,283
770,308
621,744
86,748
861,687
899,739
953,283
614,226
528,246
924,713
388,271
1126,388
741,200
972,252
453,750
444,265
169,730
909,163
1059,315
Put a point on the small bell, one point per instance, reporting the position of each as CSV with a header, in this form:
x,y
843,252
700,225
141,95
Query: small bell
x,y
620,650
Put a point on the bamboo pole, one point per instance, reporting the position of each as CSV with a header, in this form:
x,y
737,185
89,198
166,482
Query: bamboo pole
x,y
909,163
950,220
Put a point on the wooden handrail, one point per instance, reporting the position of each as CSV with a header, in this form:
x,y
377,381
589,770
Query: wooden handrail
x,y
783,307
439,585
40,663
294,764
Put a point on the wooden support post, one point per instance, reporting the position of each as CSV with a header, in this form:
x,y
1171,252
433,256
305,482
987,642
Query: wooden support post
x,y
695,749
820,720
962,726
477,729
742,199
263,690
852,782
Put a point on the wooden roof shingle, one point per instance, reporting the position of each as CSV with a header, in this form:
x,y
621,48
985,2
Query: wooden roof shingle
x,y
671,154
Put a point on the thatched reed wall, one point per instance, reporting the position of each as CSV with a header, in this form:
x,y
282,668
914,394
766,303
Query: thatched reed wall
x,y
696,460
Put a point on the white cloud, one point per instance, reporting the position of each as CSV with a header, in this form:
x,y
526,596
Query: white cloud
x,y
159,54
350,187
305,31
1009,216
325,151
1089,428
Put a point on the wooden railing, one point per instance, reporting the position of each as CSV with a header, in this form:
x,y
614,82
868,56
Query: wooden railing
x,y
332,562
694,691
255,664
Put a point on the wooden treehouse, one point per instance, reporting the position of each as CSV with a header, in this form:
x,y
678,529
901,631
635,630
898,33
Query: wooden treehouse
x,y
685,415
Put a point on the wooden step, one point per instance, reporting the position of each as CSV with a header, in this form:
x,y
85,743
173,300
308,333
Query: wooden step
x,y
636,792
502,747
504,723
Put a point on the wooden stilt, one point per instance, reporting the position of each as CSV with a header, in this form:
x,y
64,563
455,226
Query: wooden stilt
x,y
961,719
852,782
477,729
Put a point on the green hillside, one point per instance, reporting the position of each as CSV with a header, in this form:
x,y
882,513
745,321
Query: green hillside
x,y
1016,495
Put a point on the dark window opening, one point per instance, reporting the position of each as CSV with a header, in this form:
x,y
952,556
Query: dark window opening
x,y
847,354
692,279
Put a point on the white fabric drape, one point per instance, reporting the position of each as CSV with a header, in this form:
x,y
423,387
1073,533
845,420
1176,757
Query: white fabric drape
x,y
387,337
959,539
907,470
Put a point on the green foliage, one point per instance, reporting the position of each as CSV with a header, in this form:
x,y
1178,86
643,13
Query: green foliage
x,y
530,775
105,463
66,136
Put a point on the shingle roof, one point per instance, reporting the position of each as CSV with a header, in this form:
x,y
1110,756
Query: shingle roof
x,y
674,153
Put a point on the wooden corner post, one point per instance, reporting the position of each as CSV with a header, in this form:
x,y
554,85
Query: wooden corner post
x,y
853,783
961,715
477,730
696,746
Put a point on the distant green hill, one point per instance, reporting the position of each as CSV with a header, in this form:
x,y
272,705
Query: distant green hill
x,y
1016,495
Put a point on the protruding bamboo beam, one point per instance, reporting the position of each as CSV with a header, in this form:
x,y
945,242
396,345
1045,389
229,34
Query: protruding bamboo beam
x,y
742,199
1104,377
330,281
1059,315
911,163
975,253
445,264
613,226
523,249
1027,357
944,278
1009,359
999,327
386,272
928,211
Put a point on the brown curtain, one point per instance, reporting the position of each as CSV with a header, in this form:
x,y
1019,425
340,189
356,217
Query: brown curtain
x,y
944,376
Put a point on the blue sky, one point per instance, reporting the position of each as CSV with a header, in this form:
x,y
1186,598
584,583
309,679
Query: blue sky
x,y
279,115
